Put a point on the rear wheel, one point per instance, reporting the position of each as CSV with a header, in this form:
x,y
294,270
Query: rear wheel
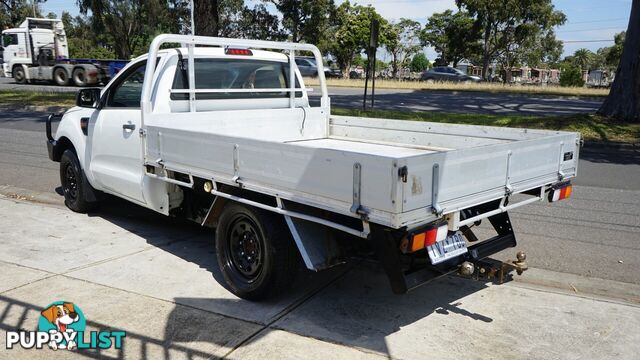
x,y
60,76
73,185
79,76
255,252
19,75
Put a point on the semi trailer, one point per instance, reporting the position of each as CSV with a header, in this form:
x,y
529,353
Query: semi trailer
x,y
38,50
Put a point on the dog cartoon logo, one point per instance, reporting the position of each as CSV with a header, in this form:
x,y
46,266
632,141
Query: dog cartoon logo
x,y
62,317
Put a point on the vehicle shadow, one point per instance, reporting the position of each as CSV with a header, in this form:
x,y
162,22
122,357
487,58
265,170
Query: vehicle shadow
x,y
353,306
611,154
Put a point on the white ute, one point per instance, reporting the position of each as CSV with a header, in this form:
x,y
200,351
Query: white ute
x,y
225,134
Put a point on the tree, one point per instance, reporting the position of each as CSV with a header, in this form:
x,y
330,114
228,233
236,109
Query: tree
x,y
453,35
13,12
539,50
130,25
623,101
402,43
83,42
571,75
206,17
351,33
582,58
511,26
306,20
419,63
240,21
614,53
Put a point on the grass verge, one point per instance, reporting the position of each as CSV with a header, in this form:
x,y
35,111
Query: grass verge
x,y
479,87
592,127
23,98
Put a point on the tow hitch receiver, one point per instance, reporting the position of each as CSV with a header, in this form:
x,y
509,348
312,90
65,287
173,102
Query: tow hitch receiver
x,y
490,269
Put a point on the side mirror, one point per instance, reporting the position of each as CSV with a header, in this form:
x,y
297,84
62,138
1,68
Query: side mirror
x,y
88,98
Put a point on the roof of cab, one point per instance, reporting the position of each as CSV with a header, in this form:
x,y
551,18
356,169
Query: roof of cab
x,y
219,52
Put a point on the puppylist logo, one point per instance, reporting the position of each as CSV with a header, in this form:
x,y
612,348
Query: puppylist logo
x,y
61,325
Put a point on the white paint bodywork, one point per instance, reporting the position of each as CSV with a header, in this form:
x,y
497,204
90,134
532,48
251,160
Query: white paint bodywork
x,y
285,148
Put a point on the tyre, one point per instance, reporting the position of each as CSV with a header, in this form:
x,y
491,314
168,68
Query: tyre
x,y
19,75
79,76
430,81
60,76
255,251
73,186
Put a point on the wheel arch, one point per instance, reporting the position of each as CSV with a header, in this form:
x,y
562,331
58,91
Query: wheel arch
x,y
63,143
317,244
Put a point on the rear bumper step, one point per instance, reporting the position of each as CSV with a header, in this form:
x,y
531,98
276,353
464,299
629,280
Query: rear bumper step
x,y
476,252
386,247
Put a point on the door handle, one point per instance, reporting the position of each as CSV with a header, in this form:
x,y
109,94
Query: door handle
x,y
129,127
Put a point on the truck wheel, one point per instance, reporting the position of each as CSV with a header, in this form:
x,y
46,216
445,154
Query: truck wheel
x,y
79,76
60,76
73,186
19,75
255,252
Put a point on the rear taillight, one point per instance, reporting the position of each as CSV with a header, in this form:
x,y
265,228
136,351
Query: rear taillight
x,y
560,192
420,240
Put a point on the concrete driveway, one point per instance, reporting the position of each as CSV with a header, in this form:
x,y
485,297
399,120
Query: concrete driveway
x,y
129,269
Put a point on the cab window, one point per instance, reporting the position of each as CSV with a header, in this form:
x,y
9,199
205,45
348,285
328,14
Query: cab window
x,y
9,39
127,92
234,74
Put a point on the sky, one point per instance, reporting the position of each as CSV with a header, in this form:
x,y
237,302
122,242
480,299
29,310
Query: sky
x,y
587,20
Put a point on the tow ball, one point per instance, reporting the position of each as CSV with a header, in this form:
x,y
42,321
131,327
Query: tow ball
x,y
490,269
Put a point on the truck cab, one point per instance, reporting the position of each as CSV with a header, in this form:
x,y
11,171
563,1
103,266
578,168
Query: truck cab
x,y
34,42
38,51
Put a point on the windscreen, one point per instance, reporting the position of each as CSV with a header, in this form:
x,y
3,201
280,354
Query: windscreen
x,y
234,73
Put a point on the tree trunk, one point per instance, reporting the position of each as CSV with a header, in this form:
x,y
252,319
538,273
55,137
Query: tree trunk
x,y
623,102
394,67
205,14
486,56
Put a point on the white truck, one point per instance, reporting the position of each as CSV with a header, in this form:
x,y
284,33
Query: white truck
x,y
38,50
224,134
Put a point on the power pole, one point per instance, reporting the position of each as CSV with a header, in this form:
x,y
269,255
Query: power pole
x,y
371,63
193,23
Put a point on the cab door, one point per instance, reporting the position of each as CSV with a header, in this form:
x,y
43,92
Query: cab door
x,y
10,48
116,155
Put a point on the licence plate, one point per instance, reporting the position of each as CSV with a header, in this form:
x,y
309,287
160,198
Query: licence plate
x,y
451,247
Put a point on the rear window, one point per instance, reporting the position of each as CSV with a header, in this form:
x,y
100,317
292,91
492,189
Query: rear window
x,y
234,74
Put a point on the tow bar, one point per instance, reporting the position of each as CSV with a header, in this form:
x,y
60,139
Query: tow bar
x,y
490,269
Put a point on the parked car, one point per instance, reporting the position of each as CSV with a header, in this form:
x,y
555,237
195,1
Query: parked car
x,y
309,68
447,73
306,66
333,73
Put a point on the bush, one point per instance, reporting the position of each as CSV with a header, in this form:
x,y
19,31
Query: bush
x,y
419,63
571,76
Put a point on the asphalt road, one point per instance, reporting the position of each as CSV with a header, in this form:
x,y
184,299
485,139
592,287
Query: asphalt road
x,y
596,233
410,100
464,102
